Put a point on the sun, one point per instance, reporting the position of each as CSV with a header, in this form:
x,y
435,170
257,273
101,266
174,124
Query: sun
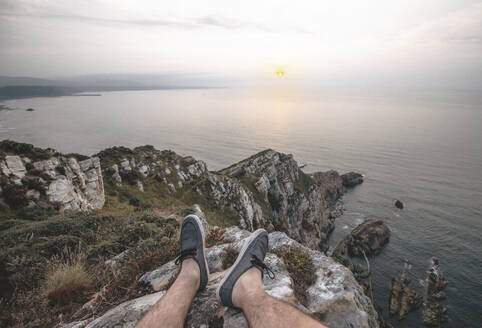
x,y
280,74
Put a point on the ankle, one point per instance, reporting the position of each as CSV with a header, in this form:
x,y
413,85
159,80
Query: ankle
x,y
190,271
248,289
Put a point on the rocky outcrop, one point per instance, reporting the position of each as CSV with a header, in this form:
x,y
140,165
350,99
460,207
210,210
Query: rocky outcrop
x,y
265,190
366,239
434,313
286,198
369,238
403,299
351,179
59,182
335,298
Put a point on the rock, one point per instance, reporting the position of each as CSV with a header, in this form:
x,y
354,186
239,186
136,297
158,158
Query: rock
x,y
335,298
114,169
368,237
30,109
399,204
58,182
434,313
273,182
140,186
439,296
127,314
4,169
351,179
15,166
144,170
33,194
403,299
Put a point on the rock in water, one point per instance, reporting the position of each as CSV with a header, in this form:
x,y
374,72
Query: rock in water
x,y
351,179
399,204
394,300
434,313
368,237
403,299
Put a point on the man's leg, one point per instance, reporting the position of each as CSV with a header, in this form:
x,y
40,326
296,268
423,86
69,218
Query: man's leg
x,y
171,310
262,310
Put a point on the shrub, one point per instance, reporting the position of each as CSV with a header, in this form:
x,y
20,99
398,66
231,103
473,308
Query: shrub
x,y
215,237
66,295
300,267
23,272
14,196
18,148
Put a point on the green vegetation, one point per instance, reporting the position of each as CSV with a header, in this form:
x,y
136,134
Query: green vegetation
x,y
300,267
8,147
42,263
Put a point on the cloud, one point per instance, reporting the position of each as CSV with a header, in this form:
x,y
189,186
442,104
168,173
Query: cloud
x,y
461,26
193,23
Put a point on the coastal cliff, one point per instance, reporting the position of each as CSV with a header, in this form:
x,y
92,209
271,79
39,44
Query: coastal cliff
x,y
267,190
119,211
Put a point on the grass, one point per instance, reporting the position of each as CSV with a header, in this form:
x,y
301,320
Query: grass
x,y
301,269
67,269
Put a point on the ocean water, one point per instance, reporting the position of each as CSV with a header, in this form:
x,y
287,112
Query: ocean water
x,y
424,149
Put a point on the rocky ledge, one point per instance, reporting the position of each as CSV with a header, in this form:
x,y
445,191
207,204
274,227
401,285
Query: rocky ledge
x,y
34,177
334,297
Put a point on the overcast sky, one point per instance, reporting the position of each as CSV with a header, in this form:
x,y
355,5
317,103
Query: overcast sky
x,y
411,42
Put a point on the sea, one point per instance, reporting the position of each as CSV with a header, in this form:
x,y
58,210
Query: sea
x,y
423,148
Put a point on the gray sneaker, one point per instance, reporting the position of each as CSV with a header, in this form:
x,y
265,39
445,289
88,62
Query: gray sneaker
x,y
252,255
192,246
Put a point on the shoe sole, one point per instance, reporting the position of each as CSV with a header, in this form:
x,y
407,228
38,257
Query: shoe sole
x,y
240,256
201,227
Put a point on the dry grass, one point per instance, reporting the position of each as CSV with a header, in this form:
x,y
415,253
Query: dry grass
x,y
66,270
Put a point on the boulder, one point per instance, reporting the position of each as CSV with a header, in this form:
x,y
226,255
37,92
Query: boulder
x,y
369,238
15,166
399,204
351,179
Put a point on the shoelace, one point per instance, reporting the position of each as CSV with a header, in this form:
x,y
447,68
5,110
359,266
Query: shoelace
x,y
185,253
256,261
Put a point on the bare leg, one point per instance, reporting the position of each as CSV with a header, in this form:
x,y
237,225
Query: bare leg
x,y
262,310
171,310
